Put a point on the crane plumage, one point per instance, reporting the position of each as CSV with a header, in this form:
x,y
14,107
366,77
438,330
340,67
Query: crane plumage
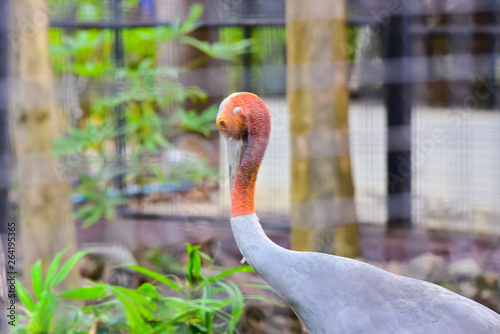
x,y
331,294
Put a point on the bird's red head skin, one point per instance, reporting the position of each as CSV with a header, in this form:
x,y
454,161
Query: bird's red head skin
x,y
254,122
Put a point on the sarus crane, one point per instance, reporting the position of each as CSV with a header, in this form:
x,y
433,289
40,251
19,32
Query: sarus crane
x,y
331,294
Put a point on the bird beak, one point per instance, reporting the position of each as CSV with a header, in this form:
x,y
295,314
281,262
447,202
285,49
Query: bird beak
x,y
234,149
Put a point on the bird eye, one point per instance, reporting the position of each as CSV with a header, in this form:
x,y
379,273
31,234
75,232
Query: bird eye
x,y
237,110
222,125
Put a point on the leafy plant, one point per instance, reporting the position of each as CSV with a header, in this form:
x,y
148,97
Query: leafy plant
x,y
143,89
192,121
41,308
195,171
100,202
202,304
82,10
85,153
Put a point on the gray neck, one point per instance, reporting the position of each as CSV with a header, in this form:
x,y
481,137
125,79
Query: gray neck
x,y
257,249
281,268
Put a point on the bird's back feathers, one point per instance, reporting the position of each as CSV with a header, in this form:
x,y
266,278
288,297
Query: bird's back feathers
x,y
332,294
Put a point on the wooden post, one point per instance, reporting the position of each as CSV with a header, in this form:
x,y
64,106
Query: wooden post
x,y
46,223
323,210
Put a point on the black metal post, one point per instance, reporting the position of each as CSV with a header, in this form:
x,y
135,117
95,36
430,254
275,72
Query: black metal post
x,y
247,63
249,8
493,59
4,119
398,104
4,154
213,24
119,113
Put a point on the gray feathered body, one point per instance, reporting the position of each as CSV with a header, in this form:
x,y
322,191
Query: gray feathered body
x,y
332,294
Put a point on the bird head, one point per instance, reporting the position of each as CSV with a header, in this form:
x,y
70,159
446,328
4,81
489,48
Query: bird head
x,y
243,118
232,113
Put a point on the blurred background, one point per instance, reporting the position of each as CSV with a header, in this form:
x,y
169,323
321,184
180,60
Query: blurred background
x,y
384,146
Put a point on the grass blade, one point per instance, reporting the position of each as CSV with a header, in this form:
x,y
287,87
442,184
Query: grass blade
x,y
230,272
86,292
66,268
37,278
24,296
156,276
133,314
236,299
52,270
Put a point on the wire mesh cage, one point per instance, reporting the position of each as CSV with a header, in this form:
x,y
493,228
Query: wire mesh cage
x,y
127,58
452,160
388,139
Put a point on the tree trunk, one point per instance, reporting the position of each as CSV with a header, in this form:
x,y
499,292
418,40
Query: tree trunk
x,y
323,210
46,223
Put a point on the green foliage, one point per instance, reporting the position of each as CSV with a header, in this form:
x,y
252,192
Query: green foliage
x,y
99,202
83,51
189,170
83,10
218,50
177,29
207,304
41,308
201,304
85,154
191,121
144,88
268,48
165,261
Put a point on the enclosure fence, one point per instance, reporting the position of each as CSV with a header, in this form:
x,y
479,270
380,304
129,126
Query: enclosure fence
x,y
424,121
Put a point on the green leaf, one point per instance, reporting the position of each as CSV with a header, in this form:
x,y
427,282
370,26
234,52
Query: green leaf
x,y
133,314
206,256
59,50
84,293
90,69
37,278
24,296
109,212
194,13
87,12
66,268
67,322
145,64
236,299
219,50
147,34
231,272
83,211
143,304
94,215
160,140
200,45
194,263
156,276
198,328
52,270
149,290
